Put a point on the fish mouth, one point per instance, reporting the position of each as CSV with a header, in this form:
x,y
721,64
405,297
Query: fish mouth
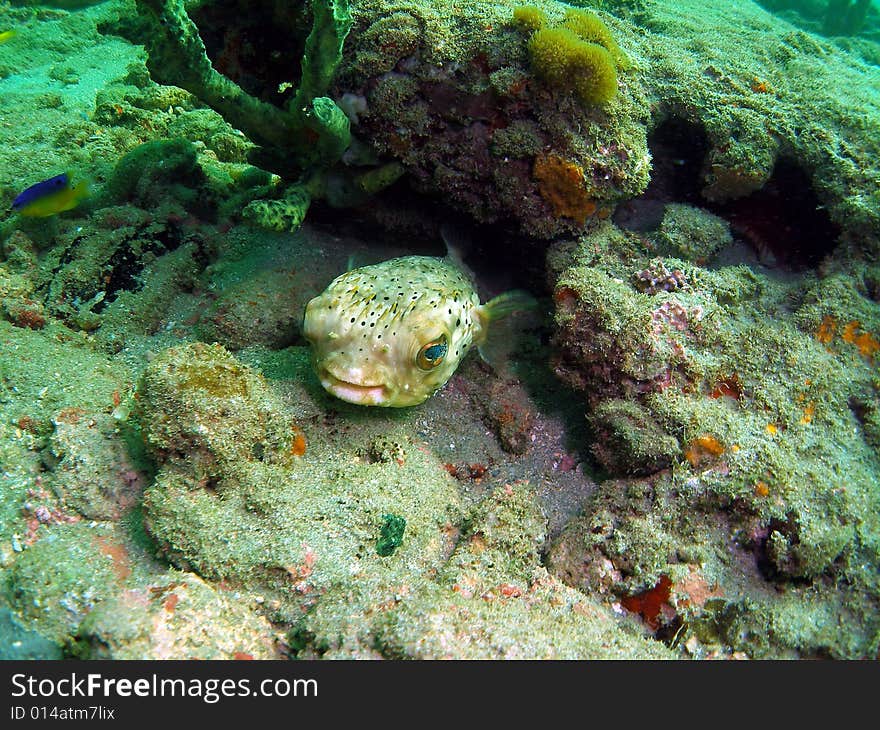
x,y
358,393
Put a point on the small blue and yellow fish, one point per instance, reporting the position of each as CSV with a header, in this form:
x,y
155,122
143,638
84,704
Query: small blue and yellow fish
x,y
7,35
51,196
393,333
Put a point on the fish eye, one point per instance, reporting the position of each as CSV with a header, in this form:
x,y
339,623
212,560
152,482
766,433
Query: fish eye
x,y
432,353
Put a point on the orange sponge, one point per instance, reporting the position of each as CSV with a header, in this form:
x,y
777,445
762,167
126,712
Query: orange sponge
x,y
561,184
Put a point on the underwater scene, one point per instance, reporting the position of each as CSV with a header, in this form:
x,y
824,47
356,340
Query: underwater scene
x,y
422,329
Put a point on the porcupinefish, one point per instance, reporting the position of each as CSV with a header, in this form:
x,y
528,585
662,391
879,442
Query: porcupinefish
x,y
393,333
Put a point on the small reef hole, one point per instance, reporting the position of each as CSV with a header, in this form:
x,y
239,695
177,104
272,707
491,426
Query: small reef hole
x,y
678,148
784,222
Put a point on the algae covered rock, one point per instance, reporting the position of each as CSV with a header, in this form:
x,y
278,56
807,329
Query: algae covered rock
x,y
502,547
263,309
262,283
95,474
629,440
156,171
693,234
124,268
761,412
206,414
178,617
242,494
59,579
491,600
604,336
483,115
546,620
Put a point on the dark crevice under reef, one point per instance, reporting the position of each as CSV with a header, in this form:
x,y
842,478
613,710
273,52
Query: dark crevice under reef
x,y
783,222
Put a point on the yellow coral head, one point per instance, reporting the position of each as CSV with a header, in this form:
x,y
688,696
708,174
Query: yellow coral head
x,y
550,51
590,28
563,59
594,74
529,17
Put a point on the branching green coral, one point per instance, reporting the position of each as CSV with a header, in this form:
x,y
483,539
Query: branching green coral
x,y
311,131
308,136
323,52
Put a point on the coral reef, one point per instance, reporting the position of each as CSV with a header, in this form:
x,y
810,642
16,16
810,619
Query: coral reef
x,y
732,408
693,476
463,113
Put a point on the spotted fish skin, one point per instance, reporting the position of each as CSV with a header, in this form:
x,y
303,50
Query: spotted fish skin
x,y
378,332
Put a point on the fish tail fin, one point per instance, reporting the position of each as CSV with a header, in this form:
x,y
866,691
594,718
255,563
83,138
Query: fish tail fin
x,y
516,300
496,350
500,307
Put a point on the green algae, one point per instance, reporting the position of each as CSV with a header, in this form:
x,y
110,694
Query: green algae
x,y
390,535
